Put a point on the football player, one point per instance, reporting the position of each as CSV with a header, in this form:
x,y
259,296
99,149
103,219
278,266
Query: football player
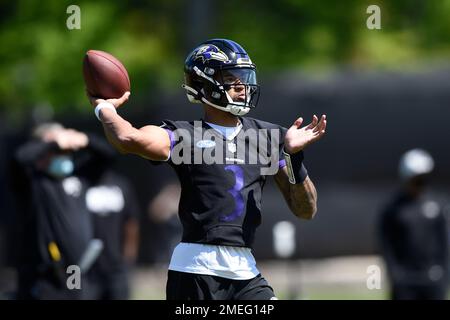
x,y
220,205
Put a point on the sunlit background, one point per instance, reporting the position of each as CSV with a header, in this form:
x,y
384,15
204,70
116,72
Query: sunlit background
x,y
384,91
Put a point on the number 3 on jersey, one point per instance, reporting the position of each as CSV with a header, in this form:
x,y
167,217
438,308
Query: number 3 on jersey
x,y
235,191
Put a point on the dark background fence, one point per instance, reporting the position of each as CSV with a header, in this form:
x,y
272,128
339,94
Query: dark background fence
x,y
373,119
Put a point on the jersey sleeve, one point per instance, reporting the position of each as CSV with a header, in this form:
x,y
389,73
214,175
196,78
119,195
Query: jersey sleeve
x,y
170,127
282,160
280,133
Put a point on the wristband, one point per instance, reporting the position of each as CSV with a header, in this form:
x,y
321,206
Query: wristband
x,y
102,105
297,172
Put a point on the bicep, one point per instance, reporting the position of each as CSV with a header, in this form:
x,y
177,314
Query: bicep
x,y
152,142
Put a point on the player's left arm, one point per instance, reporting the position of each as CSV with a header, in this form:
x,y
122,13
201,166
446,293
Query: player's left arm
x,y
292,180
301,198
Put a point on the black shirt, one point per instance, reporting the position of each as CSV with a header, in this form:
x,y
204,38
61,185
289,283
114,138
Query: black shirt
x,y
52,212
221,203
413,238
112,203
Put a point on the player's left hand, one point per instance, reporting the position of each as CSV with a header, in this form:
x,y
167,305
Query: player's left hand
x,y
67,139
298,138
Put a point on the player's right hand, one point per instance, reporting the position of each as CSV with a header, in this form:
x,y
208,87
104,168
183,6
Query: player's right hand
x,y
116,102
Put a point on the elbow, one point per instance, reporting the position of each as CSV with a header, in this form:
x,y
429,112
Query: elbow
x,y
307,212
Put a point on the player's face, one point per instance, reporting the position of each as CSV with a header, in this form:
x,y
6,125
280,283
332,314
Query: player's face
x,y
237,89
235,80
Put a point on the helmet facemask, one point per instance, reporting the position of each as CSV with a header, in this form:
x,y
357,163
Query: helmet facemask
x,y
240,82
234,90
219,73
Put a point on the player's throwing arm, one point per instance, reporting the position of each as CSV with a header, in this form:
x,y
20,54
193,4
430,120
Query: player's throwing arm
x,y
151,142
107,86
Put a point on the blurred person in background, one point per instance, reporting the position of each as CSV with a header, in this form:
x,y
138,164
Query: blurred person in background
x,y
115,211
413,234
163,213
50,176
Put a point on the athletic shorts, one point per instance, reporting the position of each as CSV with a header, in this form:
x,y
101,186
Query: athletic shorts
x,y
191,286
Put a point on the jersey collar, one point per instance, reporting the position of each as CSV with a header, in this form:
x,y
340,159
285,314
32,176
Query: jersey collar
x,y
239,128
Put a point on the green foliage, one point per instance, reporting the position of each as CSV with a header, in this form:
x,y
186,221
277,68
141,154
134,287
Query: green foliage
x,y
40,59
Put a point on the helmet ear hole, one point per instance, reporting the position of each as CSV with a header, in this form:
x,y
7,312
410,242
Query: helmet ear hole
x,y
210,71
215,95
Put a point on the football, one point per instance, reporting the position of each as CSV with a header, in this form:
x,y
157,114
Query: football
x,y
104,75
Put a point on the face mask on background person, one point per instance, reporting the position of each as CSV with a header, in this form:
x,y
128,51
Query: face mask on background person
x,y
61,166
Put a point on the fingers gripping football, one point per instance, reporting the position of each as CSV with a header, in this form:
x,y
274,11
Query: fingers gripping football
x,y
116,102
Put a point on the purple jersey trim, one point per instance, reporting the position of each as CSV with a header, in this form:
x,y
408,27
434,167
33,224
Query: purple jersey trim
x,y
171,137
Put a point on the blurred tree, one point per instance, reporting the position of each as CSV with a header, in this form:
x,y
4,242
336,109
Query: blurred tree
x,y
40,58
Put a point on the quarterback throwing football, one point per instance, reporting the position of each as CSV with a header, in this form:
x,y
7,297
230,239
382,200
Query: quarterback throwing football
x,y
221,173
